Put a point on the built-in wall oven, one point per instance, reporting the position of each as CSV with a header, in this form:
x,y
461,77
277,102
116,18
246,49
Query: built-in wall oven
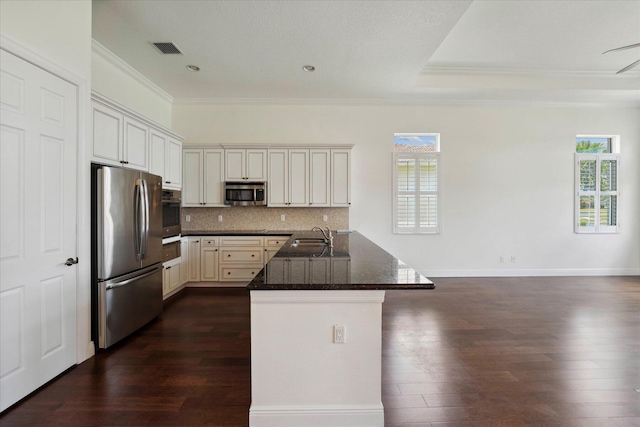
x,y
171,200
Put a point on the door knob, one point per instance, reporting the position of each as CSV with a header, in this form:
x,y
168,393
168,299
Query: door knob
x,y
71,261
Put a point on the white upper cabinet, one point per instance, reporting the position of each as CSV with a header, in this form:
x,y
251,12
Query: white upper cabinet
x,y
288,178
298,177
245,164
157,148
295,176
278,179
136,144
166,159
122,137
172,177
320,178
203,177
118,139
341,177
107,130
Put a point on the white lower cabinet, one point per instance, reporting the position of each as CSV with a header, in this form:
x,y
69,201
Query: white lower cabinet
x,y
227,258
272,245
184,260
209,259
194,259
171,277
241,257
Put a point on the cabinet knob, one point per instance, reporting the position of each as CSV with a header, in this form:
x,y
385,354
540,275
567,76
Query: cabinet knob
x,y
168,182
228,255
168,268
253,272
216,250
252,255
228,272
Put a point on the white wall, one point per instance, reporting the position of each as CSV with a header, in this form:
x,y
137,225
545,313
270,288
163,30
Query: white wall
x,y
508,179
58,30
116,80
60,33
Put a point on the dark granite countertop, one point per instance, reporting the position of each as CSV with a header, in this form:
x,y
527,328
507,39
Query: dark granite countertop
x,y
238,233
355,263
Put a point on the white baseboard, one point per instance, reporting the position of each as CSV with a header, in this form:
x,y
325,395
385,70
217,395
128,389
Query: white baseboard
x,y
317,416
533,272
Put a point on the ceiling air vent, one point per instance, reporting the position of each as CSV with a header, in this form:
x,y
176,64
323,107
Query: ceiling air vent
x,y
167,48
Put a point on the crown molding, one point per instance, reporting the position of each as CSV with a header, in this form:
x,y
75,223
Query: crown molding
x,y
527,72
114,60
400,102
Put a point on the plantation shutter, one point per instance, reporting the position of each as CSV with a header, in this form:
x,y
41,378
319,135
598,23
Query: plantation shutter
x,y
597,193
416,193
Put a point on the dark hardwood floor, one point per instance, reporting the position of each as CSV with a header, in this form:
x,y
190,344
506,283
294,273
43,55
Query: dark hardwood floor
x,y
473,352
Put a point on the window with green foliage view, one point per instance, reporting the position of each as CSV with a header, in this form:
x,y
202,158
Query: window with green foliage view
x,y
597,176
416,199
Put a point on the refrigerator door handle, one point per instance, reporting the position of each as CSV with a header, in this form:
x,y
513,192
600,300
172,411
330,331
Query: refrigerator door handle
x,y
139,218
145,228
126,282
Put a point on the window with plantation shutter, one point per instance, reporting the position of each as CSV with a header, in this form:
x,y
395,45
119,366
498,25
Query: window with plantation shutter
x,y
416,200
597,185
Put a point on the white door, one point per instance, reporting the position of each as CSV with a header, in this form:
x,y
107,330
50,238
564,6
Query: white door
x,y
37,227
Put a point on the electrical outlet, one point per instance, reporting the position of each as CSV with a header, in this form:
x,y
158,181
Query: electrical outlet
x,y
513,259
282,217
339,334
187,218
325,218
219,218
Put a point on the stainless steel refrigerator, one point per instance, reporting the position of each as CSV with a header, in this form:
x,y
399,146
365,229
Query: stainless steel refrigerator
x,y
128,248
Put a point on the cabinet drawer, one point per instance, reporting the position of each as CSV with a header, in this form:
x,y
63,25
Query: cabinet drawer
x,y
241,241
228,274
209,241
276,241
241,255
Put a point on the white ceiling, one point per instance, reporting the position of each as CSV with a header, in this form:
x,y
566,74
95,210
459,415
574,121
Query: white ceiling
x,y
380,51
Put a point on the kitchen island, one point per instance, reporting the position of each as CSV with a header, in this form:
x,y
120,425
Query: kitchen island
x,y
316,332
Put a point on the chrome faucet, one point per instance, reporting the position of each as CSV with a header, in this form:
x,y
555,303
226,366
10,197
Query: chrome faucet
x,y
328,237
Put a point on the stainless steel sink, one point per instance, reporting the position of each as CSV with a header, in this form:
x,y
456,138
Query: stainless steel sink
x,y
309,241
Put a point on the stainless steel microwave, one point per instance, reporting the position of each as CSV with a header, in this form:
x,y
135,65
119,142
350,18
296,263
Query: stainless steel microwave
x,y
245,193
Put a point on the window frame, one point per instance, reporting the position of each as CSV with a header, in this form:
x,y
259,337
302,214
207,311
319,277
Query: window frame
x,y
597,193
417,192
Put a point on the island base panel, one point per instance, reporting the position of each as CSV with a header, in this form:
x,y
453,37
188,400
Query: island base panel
x,y
299,376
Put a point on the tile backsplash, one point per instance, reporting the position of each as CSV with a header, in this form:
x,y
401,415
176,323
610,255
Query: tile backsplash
x,y
258,218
